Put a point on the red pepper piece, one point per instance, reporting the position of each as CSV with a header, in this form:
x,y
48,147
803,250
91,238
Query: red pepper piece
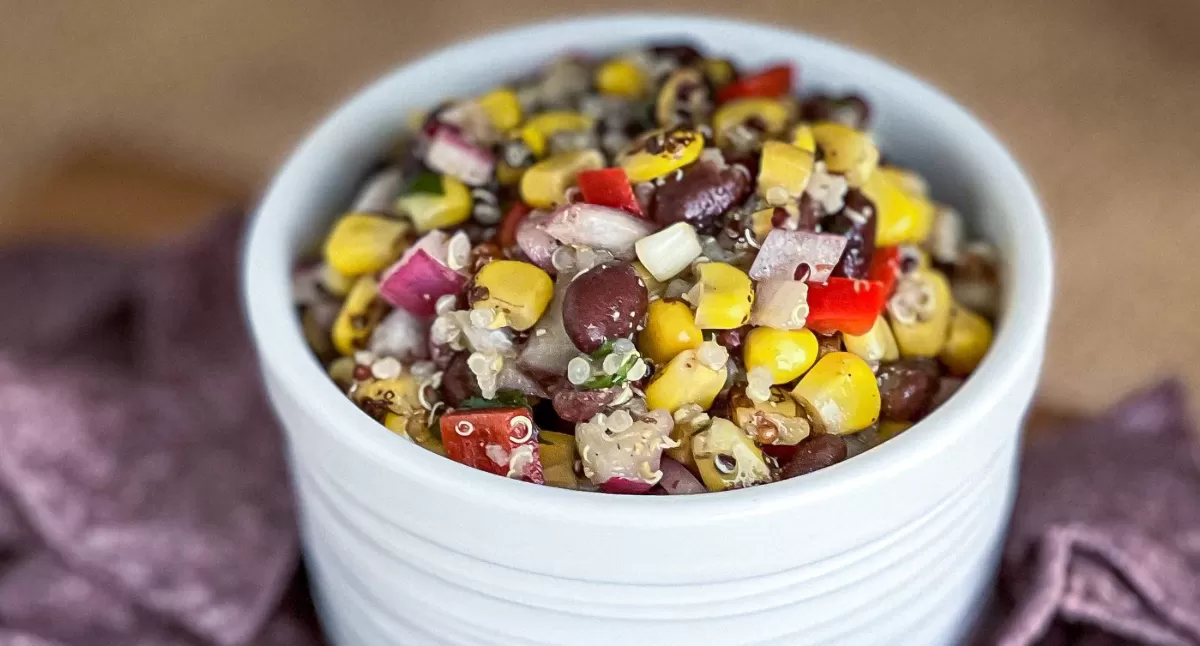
x,y
885,267
608,187
507,235
497,440
773,82
845,305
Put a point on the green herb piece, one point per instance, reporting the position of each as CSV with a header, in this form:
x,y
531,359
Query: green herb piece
x,y
503,399
619,377
427,182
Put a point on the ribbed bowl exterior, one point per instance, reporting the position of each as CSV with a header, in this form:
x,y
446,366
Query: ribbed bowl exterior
x,y
896,546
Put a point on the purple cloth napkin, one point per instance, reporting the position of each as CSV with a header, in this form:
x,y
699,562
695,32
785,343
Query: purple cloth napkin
x,y
144,499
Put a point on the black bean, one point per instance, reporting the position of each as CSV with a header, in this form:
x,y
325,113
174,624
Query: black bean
x,y
458,382
813,454
906,388
856,221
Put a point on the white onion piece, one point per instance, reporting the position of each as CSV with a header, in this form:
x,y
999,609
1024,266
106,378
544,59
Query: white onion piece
x,y
783,251
598,227
780,304
666,253
400,335
513,378
549,348
447,152
421,276
381,191
677,480
536,244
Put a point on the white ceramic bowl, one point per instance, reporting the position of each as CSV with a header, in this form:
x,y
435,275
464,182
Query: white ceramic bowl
x,y
894,546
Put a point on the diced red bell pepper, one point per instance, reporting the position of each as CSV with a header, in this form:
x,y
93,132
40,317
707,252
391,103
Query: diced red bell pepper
x,y
845,305
506,236
608,187
497,440
885,267
773,82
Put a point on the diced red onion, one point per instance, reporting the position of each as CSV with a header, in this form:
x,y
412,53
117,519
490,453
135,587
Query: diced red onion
x,y
623,486
421,276
598,227
677,480
448,152
784,251
535,243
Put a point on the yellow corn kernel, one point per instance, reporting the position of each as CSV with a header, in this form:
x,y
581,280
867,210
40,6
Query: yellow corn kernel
x,y
968,340
621,77
415,119
723,297
537,131
786,353
785,167
502,107
669,331
802,138
900,217
653,286
919,311
341,371
668,103
727,458
335,282
364,243
688,421
839,394
359,315
673,149
772,114
518,293
779,420
878,344
718,71
685,380
557,454
430,211
908,181
889,429
545,184
847,151
398,394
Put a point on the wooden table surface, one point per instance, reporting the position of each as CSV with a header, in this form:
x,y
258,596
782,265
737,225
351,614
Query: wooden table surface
x,y
131,122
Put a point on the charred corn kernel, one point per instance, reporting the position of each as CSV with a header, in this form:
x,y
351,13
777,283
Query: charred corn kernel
x,y
900,217
847,151
727,458
772,115
889,429
802,138
839,394
621,77
785,167
545,184
718,71
557,454
669,331
363,243
723,297
685,380
676,95
503,108
919,311
689,420
430,211
335,282
786,353
659,152
968,340
878,344
398,395
539,128
653,286
778,420
360,314
907,180
517,293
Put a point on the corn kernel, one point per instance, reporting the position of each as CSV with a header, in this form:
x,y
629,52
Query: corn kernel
x,y
621,77
537,131
672,150
502,107
723,297
359,315
784,166
718,71
517,293
779,420
968,340
364,243
802,138
557,454
675,96
399,394
919,311
669,331
727,458
847,151
877,345
839,394
685,380
889,429
430,211
653,286
772,114
335,282
545,184
900,217
786,353
906,180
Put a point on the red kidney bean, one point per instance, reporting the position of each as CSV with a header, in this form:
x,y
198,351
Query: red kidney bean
x,y
859,229
701,195
906,387
813,454
576,406
606,302
732,339
458,382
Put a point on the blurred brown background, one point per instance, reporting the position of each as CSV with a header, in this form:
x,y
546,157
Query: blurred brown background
x,y
126,122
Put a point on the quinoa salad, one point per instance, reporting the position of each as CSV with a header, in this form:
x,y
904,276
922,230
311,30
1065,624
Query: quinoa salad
x,y
652,272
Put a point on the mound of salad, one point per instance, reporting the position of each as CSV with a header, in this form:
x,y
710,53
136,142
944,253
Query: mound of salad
x,y
648,273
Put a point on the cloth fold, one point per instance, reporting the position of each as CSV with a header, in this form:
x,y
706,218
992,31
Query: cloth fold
x,y
144,498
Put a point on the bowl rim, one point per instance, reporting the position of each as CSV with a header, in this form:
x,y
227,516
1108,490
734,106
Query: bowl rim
x,y
1015,353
